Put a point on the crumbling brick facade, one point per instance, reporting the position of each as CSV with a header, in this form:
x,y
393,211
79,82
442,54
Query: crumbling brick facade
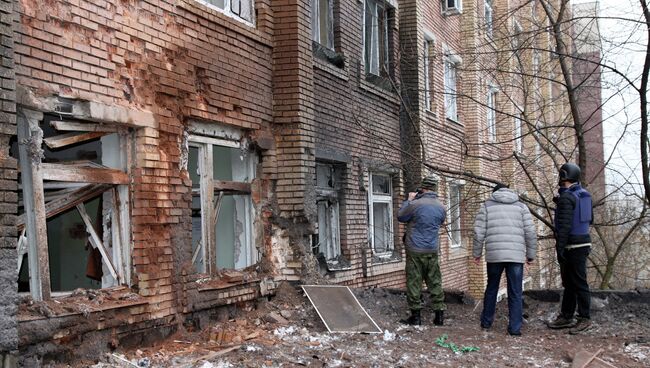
x,y
305,125
8,187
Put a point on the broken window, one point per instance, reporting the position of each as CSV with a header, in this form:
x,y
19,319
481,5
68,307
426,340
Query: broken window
x,y
327,203
376,37
239,9
381,213
454,214
73,204
222,209
322,22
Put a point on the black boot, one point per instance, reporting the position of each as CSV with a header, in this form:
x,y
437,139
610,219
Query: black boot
x,y
414,319
438,320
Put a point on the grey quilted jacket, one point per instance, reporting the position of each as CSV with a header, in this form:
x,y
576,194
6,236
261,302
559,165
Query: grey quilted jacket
x,y
506,227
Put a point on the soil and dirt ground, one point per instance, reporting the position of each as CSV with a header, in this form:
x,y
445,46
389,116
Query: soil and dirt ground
x,y
287,332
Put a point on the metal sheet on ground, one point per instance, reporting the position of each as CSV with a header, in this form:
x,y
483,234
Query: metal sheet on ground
x,y
339,309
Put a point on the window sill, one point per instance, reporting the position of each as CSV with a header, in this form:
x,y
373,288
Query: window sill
x,y
328,55
70,305
386,258
330,69
371,87
247,29
448,13
455,122
217,284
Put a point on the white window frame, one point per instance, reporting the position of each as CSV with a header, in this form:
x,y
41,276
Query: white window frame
x,y
491,114
208,262
489,18
380,198
332,248
451,7
317,23
450,218
428,46
227,10
451,63
369,68
518,132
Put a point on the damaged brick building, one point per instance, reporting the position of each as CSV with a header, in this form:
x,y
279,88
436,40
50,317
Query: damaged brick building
x,y
184,155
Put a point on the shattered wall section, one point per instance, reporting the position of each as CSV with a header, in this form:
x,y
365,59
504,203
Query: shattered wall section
x,y
8,188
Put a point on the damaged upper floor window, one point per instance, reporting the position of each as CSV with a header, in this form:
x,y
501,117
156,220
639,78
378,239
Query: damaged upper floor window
x,y
239,9
376,37
223,235
74,205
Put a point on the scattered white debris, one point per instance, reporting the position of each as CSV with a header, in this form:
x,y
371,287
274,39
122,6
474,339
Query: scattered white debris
x,y
389,336
253,348
638,352
282,332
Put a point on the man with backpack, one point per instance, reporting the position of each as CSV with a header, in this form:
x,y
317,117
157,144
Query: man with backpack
x,y
573,215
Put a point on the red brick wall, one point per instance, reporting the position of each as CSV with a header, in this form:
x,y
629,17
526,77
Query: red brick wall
x,y
177,59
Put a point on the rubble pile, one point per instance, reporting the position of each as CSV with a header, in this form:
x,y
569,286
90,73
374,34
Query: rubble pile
x,y
287,332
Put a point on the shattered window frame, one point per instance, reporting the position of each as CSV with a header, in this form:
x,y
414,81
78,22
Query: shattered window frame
x,y
381,198
64,187
213,194
451,88
328,211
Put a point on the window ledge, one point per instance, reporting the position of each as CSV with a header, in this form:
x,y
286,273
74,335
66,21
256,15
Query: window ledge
x,y
448,13
73,305
386,258
241,27
329,68
455,122
373,88
217,284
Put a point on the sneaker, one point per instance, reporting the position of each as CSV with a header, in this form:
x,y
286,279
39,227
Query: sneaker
x,y
514,333
582,325
561,322
485,327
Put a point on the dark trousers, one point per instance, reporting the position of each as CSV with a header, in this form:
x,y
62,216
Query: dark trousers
x,y
514,277
574,280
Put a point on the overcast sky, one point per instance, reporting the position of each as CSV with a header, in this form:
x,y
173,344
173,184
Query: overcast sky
x,y
623,47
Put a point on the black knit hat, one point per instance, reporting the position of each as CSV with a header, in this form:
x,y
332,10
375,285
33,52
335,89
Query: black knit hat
x,y
499,186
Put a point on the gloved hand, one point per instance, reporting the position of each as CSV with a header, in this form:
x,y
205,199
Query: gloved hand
x,y
560,255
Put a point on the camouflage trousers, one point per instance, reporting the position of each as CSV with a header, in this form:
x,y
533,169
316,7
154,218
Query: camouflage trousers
x,y
423,267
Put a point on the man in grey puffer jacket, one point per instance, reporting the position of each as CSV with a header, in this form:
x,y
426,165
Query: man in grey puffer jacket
x,y
506,227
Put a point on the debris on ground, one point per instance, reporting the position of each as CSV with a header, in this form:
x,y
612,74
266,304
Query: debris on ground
x,y
442,342
252,339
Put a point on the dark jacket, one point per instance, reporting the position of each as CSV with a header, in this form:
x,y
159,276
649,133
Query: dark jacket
x,y
424,215
573,215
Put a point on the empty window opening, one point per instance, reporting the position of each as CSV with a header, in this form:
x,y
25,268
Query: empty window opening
x,y
328,181
381,213
82,181
222,207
